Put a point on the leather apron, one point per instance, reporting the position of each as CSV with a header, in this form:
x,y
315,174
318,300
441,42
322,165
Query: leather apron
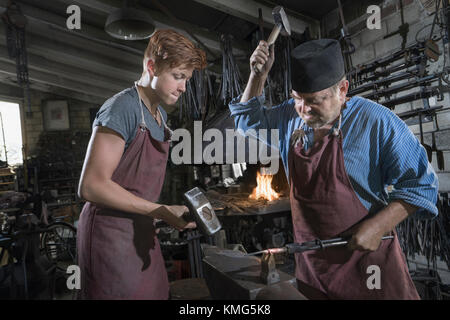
x,y
118,252
324,205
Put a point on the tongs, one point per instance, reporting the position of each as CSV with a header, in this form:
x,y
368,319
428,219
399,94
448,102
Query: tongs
x,y
307,246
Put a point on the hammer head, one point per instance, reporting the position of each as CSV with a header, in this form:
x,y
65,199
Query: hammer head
x,y
280,19
202,211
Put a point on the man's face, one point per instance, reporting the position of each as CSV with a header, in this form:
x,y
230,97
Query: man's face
x,y
320,108
171,83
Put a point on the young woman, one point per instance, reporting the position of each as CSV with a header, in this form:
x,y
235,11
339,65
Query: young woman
x,y
123,173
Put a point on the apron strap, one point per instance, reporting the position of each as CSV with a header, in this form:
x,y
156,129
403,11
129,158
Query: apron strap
x,y
168,132
142,124
166,127
337,130
300,133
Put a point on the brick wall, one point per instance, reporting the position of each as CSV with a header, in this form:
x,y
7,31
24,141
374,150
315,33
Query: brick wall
x,y
79,114
371,45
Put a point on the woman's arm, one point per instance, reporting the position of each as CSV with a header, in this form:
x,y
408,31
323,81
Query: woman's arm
x,y
102,158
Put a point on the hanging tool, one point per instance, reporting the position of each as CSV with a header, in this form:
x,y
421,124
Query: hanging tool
x,y
431,48
281,26
446,14
307,246
403,29
231,83
15,23
427,147
348,46
439,153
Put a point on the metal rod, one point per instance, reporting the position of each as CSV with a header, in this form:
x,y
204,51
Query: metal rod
x,y
310,245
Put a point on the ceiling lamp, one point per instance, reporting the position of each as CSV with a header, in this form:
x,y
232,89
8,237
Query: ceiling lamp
x,y
129,24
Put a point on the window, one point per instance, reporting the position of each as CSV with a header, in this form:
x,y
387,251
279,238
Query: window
x,y
10,133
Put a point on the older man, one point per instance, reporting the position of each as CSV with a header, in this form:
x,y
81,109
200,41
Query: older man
x,y
340,154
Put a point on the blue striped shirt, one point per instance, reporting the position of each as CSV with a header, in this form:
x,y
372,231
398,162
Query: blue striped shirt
x,y
379,150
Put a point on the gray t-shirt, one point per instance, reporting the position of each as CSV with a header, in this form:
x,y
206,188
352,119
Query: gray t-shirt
x,y
122,113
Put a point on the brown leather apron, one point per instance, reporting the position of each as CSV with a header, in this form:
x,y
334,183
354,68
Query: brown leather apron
x,y
118,252
323,205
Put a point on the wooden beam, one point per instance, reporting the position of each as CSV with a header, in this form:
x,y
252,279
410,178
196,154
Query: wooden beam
x,y
42,64
9,69
15,91
208,38
66,54
248,10
36,15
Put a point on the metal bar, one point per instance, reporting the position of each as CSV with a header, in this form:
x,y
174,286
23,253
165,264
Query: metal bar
x,y
382,82
404,86
413,113
309,245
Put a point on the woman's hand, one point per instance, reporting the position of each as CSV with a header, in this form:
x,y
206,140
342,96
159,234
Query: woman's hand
x,y
173,215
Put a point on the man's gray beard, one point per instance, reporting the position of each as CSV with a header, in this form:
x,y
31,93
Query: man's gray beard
x,y
316,124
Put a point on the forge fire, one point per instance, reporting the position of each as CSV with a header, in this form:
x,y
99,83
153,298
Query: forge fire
x,y
264,188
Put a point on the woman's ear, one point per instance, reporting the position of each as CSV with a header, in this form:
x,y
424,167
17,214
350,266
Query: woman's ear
x,y
151,67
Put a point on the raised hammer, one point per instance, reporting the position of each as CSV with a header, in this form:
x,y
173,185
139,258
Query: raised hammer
x,y
281,25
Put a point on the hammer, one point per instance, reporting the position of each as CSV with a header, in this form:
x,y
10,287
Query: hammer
x,y
281,25
201,211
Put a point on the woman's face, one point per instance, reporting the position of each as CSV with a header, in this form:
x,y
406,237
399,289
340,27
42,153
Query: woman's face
x,y
171,83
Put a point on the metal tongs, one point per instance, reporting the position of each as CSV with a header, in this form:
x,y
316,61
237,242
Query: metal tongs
x,y
307,246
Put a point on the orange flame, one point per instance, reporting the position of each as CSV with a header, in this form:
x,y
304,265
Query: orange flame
x,y
264,188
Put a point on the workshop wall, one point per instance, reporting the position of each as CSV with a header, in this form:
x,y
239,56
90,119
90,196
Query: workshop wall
x,y
370,45
33,127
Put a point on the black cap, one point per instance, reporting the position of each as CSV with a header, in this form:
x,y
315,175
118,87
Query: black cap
x,y
316,65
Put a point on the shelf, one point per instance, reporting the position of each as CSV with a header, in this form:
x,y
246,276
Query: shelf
x,y
5,183
5,191
7,175
11,210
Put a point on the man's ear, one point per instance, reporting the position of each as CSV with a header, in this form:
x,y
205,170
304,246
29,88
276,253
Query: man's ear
x,y
343,89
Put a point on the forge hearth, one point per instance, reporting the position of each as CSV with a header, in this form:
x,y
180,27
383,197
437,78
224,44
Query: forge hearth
x,y
241,204
257,192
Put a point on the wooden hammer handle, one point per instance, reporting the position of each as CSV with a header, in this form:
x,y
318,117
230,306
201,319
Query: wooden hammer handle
x,y
272,38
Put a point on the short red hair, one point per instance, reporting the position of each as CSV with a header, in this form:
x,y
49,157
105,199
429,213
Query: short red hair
x,y
170,49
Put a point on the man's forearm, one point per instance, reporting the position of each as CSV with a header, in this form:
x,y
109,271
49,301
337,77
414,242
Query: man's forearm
x,y
254,87
366,236
388,218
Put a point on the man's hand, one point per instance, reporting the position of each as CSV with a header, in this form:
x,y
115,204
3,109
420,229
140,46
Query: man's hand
x,y
365,236
264,56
